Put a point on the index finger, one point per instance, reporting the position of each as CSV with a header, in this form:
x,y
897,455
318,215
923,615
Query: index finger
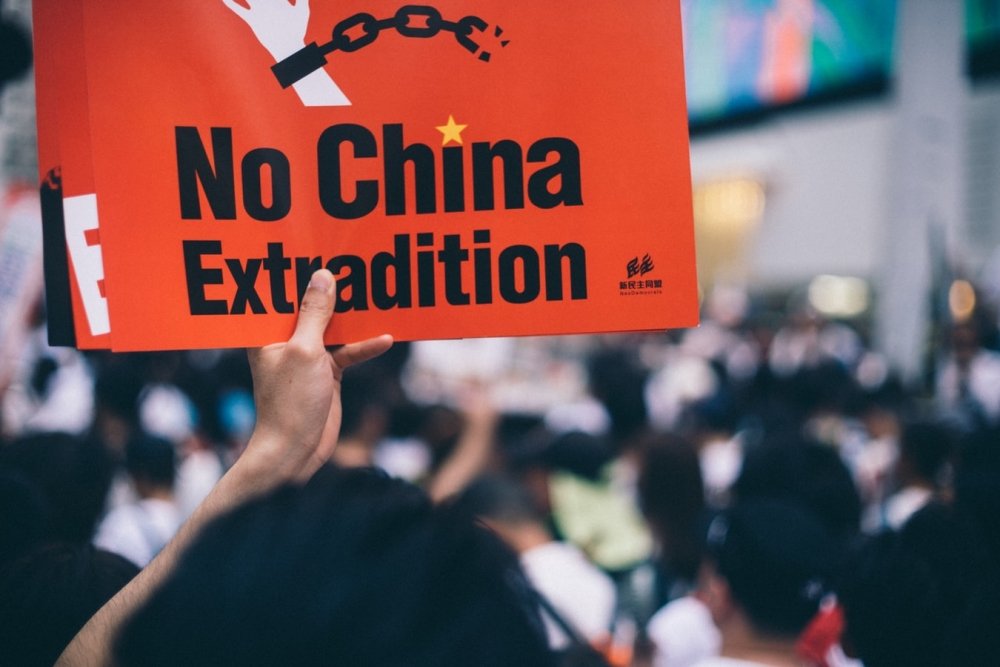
x,y
355,353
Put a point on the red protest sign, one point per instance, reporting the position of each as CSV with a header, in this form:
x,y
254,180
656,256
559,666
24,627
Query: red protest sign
x,y
463,168
77,307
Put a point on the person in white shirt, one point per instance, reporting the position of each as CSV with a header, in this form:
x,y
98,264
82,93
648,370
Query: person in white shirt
x,y
140,529
968,380
580,593
672,498
925,452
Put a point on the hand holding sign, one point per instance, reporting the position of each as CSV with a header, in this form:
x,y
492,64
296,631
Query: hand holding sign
x,y
280,27
297,388
564,206
297,392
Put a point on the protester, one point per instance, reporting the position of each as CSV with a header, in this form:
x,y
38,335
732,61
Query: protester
x,y
351,568
806,473
577,593
592,482
48,594
364,419
371,559
139,530
672,497
72,476
968,380
905,592
15,52
24,515
769,565
200,469
597,511
925,452
977,508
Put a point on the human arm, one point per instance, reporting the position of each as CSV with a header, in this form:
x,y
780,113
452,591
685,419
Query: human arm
x,y
474,449
297,393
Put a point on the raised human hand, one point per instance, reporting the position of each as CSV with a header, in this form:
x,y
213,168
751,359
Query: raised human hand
x,y
297,389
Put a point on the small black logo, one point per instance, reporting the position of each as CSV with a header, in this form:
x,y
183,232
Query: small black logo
x,y
636,283
636,267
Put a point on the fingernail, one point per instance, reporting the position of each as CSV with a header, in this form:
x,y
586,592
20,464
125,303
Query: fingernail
x,y
321,280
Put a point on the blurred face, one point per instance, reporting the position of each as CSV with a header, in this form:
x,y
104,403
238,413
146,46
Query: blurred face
x,y
881,423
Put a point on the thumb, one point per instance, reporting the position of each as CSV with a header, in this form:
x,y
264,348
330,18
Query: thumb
x,y
315,310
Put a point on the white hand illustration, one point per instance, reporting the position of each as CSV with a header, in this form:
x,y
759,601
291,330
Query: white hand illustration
x,y
280,26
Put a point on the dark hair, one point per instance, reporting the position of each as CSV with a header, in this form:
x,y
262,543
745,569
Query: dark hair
x,y
15,51
24,515
977,507
501,499
903,590
151,459
778,560
118,385
618,381
73,474
582,454
977,485
361,396
806,473
826,386
672,498
47,595
353,568
973,639
926,447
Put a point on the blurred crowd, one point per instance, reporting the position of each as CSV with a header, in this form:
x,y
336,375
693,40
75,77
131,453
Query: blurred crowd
x,y
760,486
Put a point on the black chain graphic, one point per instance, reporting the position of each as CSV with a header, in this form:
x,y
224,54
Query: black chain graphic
x,y
406,21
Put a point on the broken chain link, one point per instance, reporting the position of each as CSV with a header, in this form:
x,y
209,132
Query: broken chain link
x,y
312,57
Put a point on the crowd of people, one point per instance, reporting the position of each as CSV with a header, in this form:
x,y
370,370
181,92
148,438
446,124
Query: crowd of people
x,y
759,490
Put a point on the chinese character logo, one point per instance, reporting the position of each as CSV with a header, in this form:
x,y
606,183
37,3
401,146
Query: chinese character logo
x,y
637,267
635,284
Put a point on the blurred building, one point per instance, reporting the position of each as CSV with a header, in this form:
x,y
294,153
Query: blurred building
x,y
852,147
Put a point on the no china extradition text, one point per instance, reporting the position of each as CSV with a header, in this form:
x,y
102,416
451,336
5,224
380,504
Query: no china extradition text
x,y
409,274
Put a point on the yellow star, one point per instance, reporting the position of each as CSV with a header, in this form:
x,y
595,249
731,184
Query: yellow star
x,y
452,131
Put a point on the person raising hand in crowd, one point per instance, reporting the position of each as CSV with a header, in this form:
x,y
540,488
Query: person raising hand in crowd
x,y
297,394
291,561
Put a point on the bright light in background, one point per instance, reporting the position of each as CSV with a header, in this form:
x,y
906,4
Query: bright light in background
x,y
839,296
727,211
961,300
729,204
